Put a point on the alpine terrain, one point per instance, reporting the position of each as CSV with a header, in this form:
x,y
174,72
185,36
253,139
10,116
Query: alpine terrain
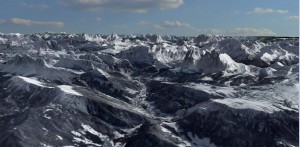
x,y
59,89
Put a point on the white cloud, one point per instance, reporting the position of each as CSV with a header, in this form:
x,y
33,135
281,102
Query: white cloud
x,y
293,17
143,23
212,31
250,32
98,19
34,6
231,32
268,11
138,6
158,27
178,24
27,22
240,32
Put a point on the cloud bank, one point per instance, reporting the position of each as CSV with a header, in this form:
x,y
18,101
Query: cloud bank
x,y
250,32
139,6
28,22
268,11
175,24
238,31
293,17
34,6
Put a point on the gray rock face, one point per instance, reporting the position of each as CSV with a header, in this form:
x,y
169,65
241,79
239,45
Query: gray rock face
x,y
59,89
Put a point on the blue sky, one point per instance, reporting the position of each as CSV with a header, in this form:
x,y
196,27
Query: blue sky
x,y
173,17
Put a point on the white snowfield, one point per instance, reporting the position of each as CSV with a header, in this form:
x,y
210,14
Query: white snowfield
x,y
32,81
21,82
263,106
69,89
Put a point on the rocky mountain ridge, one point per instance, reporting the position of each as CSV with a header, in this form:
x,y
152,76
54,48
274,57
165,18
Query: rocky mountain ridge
x,y
60,89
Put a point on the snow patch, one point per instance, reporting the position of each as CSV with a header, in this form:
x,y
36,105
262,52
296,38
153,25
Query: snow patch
x,y
92,131
76,133
103,72
59,137
183,143
69,89
32,81
86,128
45,115
86,141
45,145
246,104
197,142
227,91
131,91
